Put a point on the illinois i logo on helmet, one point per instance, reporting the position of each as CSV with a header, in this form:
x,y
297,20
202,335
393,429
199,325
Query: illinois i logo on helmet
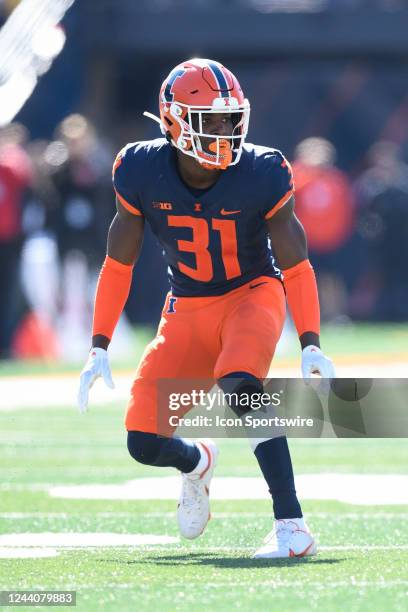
x,y
196,88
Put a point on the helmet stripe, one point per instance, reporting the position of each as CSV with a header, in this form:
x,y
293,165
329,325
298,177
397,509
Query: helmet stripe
x,y
168,94
220,79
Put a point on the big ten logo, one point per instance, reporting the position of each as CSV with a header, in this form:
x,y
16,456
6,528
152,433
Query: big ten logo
x,y
163,205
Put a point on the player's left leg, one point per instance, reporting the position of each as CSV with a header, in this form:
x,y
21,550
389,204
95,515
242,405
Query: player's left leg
x,y
249,339
182,353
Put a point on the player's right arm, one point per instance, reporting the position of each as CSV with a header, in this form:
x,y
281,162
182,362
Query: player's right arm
x,y
125,239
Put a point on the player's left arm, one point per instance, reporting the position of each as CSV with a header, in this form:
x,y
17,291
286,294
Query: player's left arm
x,y
289,245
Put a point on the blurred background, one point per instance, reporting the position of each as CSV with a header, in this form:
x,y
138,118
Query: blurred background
x,y
328,85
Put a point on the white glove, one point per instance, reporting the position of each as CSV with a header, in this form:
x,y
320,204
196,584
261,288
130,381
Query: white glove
x,y
314,362
97,365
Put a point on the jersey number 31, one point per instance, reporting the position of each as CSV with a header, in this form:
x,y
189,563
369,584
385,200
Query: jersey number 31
x,y
199,246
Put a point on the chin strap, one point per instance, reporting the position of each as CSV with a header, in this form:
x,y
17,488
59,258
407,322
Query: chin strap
x,y
154,117
157,120
225,155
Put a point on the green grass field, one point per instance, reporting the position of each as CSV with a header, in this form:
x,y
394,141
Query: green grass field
x,y
364,549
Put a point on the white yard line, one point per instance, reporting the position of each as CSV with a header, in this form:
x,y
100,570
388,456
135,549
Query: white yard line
x,y
38,545
360,489
26,553
56,391
36,392
83,540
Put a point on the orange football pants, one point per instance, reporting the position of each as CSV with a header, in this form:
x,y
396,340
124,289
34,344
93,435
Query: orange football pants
x,y
205,338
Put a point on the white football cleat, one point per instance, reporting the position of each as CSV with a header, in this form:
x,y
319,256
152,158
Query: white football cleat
x,y
193,512
288,538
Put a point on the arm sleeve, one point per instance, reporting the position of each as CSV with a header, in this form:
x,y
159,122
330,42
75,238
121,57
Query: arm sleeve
x,y
302,297
112,293
281,185
124,176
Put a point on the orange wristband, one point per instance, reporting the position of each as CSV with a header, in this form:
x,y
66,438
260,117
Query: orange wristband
x,y
112,292
302,297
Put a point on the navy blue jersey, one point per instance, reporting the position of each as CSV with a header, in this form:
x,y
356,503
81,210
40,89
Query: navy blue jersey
x,y
214,240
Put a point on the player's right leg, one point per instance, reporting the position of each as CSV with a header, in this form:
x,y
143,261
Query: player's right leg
x,y
178,353
195,460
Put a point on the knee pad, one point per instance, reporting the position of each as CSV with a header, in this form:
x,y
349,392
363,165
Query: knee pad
x,y
240,386
144,447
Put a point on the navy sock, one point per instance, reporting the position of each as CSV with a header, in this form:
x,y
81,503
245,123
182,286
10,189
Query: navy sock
x,y
274,460
151,449
273,455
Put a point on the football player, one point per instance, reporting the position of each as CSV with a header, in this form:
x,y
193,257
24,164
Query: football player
x,y
223,211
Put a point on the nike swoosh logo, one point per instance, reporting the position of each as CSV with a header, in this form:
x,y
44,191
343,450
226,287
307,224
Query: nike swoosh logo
x,y
257,285
229,212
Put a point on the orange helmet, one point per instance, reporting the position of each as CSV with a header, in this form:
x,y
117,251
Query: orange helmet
x,y
194,88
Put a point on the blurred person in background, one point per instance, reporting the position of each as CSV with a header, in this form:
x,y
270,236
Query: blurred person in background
x,y
325,207
79,162
79,165
15,181
382,197
39,271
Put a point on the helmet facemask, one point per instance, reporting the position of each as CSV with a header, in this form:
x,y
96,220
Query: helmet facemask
x,y
224,150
